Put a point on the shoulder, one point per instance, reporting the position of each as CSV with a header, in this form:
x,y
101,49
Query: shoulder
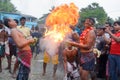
x,y
91,33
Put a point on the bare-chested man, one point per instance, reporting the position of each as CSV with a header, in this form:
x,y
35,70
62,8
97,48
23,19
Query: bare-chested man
x,y
87,41
3,39
70,60
24,54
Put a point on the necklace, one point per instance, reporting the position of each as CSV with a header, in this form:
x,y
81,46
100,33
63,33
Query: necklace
x,y
83,35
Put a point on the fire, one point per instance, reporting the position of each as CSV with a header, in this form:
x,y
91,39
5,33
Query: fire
x,y
59,20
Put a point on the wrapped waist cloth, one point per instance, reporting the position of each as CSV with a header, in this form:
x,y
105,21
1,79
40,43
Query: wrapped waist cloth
x,y
25,57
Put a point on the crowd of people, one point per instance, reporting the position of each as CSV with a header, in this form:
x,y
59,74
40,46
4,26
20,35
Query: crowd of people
x,y
98,51
93,51
20,41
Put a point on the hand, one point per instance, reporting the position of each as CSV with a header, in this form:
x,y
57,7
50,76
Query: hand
x,y
31,40
67,42
36,39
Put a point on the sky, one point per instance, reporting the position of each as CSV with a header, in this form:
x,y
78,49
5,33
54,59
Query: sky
x,y
39,7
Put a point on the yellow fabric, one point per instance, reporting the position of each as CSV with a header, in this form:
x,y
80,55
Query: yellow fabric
x,y
47,57
97,52
24,30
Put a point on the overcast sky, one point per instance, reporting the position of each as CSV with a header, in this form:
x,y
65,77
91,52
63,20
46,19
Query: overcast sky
x,y
39,7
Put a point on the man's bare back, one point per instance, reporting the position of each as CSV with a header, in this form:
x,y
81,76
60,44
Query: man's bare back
x,y
70,55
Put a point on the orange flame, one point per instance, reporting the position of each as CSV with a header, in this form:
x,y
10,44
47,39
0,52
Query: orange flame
x,y
59,20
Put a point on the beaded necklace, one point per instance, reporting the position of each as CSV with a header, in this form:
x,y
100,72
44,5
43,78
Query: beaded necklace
x,y
83,35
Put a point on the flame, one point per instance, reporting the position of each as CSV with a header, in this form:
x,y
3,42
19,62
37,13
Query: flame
x,y
59,20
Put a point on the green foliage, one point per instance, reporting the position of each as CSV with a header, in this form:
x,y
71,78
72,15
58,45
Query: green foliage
x,y
117,19
7,6
94,11
110,20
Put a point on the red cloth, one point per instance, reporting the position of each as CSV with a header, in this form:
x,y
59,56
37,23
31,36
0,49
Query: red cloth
x,y
25,57
115,46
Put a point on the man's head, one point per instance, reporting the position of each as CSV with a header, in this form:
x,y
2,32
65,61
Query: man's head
x,y
10,23
108,25
16,21
1,24
100,30
22,21
69,46
116,25
89,22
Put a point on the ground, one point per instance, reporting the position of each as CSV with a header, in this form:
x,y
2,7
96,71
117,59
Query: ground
x,y
36,70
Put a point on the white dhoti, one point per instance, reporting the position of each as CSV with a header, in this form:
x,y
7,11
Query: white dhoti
x,y
70,66
70,69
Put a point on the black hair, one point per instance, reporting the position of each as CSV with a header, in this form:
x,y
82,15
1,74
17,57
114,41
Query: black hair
x,y
36,28
100,27
16,21
108,23
1,22
92,20
6,22
22,18
116,22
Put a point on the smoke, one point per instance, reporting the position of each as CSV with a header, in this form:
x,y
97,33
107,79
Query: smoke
x,y
48,44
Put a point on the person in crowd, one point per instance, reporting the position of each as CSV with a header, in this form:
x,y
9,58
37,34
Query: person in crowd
x,y
114,56
108,37
109,25
26,32
70,60
32,31
46,59
87,41
100,44
24,55
13,50
37,36
4,49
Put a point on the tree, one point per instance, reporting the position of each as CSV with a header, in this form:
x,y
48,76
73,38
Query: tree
x,y
7,6
94,11
110,20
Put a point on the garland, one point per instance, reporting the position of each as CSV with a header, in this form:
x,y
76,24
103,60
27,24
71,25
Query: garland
x,y
84,33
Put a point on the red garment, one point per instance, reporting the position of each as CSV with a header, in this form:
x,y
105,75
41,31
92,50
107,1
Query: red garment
x,y
115,46
25,57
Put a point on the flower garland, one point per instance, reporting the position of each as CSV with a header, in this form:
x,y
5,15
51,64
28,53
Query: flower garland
x,y
83,35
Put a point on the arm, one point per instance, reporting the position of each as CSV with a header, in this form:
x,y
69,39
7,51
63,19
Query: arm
x,y
107,40
117,39
20,42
